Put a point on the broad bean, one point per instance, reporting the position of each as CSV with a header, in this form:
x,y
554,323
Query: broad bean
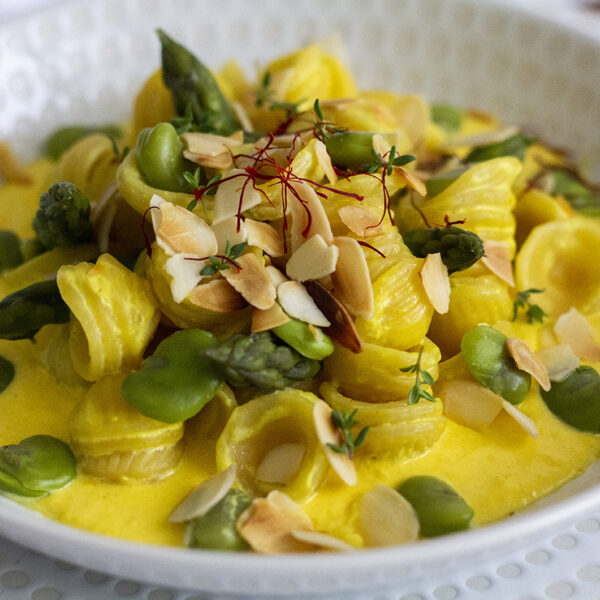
x,y
307,340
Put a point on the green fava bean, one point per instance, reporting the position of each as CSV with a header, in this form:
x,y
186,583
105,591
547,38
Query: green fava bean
x,y
484,351
159,154
216,530
36,466
7,373
10,250
307,340
350,149
25,312
62,139
440,509
575,400
177,381
447,116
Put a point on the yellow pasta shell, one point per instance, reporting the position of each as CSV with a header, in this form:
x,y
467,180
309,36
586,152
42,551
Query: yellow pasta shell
x,y
112,440
402,310
264,423
560,257
114,316
480,299
374,374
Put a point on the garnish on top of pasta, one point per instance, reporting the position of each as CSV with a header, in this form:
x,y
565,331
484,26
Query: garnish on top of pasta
x,y
291,315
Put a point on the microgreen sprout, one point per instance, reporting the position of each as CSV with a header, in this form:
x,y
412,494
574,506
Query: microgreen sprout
x,y
121,156
345,421
220,262
322,128
264,92
422,377
534,312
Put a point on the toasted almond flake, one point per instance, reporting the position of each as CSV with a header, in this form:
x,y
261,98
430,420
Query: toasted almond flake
x,y
497,260
185,273
10,168
242,116
209,493
209,144
360,221
521,418
342,328
560,361
277,277
252,281
527,361
483,139
180,231
313,260
297,303
387,518
263,320
227,198
328,433
340,102
227,231
264,236
351,280
434,276
218,296
324,161
267,525
469,403
380,144
574,329
281,463
312,204
221,161
412,180
322,540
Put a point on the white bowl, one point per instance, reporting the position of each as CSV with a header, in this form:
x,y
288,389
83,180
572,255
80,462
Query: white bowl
x,y
83,61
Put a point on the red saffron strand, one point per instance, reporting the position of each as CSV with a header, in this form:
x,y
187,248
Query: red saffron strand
x,y
371,248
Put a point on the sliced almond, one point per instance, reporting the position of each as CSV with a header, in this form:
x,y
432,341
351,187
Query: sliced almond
x,y
324,161
351,280
497,260
322,540
297,303
252,281
10,169
412,180
268,523
560,361
209,144
281,463
180,231
342,327
328,433
574,329
228,199
313,260
521,418
227,231
242,117
208,494
484,139
185,272
387,518
221,161
277,277
434,276
527,361
469,403
360,221
264,236
218,296
381,145
302,203
263,320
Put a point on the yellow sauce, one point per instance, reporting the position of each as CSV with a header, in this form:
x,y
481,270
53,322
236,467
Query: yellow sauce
x,y
498,471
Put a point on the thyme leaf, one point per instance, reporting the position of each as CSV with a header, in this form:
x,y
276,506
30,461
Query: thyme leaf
x,y
345,421
422,377
534,312
221,262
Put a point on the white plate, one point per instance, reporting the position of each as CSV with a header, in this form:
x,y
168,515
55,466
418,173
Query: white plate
x,y
83,61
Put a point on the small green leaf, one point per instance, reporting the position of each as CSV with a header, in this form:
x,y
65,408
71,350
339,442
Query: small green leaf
x,y
317,109
513,146
208,270
7,373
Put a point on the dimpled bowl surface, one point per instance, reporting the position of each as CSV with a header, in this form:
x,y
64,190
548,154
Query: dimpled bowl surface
x,y
83,62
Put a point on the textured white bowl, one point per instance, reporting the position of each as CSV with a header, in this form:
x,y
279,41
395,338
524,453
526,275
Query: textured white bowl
x,y
83,62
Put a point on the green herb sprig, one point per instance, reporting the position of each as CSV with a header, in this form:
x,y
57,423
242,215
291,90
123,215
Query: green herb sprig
x,y
392,161
534,312
345,421
221,262
322,128
422,377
